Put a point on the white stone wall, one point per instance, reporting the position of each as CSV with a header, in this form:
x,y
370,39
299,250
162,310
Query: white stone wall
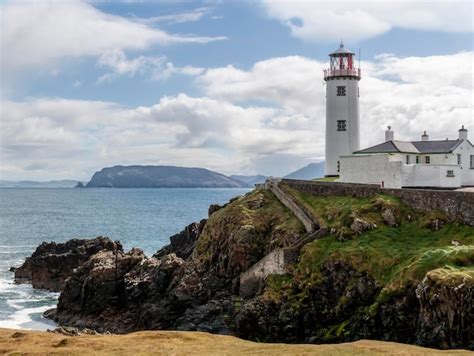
x,y
371,169
389,169
430,175
341,143
467,174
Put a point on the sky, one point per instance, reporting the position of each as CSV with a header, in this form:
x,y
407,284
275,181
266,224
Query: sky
x,y
232,86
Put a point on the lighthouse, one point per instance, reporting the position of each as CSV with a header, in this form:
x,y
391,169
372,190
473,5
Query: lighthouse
x,y
342,108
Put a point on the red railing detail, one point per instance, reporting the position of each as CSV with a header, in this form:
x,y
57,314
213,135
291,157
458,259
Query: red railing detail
x,y
355,72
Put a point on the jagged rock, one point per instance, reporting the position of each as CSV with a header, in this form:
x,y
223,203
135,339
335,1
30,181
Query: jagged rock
x,y
72,331
52,263
183,244
213,208
359,225
389,217
97,286
446,315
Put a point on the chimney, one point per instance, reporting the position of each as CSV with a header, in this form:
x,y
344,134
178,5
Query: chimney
x,y
425,136
463,133
389,134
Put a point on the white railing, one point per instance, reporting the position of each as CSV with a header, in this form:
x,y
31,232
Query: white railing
x,y
354,72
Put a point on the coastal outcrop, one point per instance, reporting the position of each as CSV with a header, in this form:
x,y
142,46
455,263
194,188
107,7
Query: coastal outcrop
x,y
52,263
376,269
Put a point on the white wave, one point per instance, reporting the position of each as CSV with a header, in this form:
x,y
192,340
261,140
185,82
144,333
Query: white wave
x,y
22,319
17,246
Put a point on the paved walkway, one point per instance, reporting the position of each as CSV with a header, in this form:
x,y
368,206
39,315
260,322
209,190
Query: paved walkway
x,y
470,190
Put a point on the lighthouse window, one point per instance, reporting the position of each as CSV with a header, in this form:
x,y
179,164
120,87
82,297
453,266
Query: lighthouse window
x,y
341,91
341,125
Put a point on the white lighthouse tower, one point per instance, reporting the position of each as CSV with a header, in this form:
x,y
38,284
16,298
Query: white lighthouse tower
x,y
342,108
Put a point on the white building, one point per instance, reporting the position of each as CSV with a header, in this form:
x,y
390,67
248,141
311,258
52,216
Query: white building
x,y
342,108
426,163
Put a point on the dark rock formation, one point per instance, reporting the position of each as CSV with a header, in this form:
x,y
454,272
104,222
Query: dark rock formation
x,y
79,185
161,177
328,293
183,244
52,263
446,310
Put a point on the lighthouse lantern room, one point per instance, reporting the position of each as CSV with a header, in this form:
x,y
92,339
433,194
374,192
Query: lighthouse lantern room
x,y
342,108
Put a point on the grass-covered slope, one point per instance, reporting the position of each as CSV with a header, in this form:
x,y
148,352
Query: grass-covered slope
x,y
395,256
383,271
245,230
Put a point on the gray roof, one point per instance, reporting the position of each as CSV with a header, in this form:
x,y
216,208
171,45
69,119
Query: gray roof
x,y
441,146
420,147
341,50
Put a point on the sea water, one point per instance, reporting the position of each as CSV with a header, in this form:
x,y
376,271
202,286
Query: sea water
x,y
143,218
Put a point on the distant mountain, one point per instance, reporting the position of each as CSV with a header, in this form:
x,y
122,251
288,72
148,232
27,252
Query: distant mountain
x,y
34,184
311,171
161,177
250,180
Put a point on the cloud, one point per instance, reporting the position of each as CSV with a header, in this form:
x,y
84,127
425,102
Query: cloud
x,y
412,94
38,33
268,119
353,21
65,136
154,67
191,16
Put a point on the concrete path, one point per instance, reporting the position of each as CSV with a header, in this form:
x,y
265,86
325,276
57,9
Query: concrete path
x,y
469,190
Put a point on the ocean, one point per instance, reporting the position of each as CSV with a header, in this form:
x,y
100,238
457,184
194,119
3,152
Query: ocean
x,y
143,218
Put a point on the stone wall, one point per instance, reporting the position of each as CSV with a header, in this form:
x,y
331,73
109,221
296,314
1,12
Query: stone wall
x,y
252,281
455,204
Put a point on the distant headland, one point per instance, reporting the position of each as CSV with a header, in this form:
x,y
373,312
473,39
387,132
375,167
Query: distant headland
x,y
149,176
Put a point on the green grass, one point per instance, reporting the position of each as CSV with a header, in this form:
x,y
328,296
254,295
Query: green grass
x,y
339,212
396,257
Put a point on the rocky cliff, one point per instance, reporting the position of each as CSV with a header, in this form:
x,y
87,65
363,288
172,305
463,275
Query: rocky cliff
x,y
52,263
378,269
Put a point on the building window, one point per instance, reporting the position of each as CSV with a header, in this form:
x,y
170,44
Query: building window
x,y
417,160
341,125
338,166
427,159
459,159
408,159
472,161
341,91
450,173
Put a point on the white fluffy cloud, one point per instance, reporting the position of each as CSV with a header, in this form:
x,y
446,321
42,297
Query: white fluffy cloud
x,y
73,138
36,33
361,20
269,119
412,94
